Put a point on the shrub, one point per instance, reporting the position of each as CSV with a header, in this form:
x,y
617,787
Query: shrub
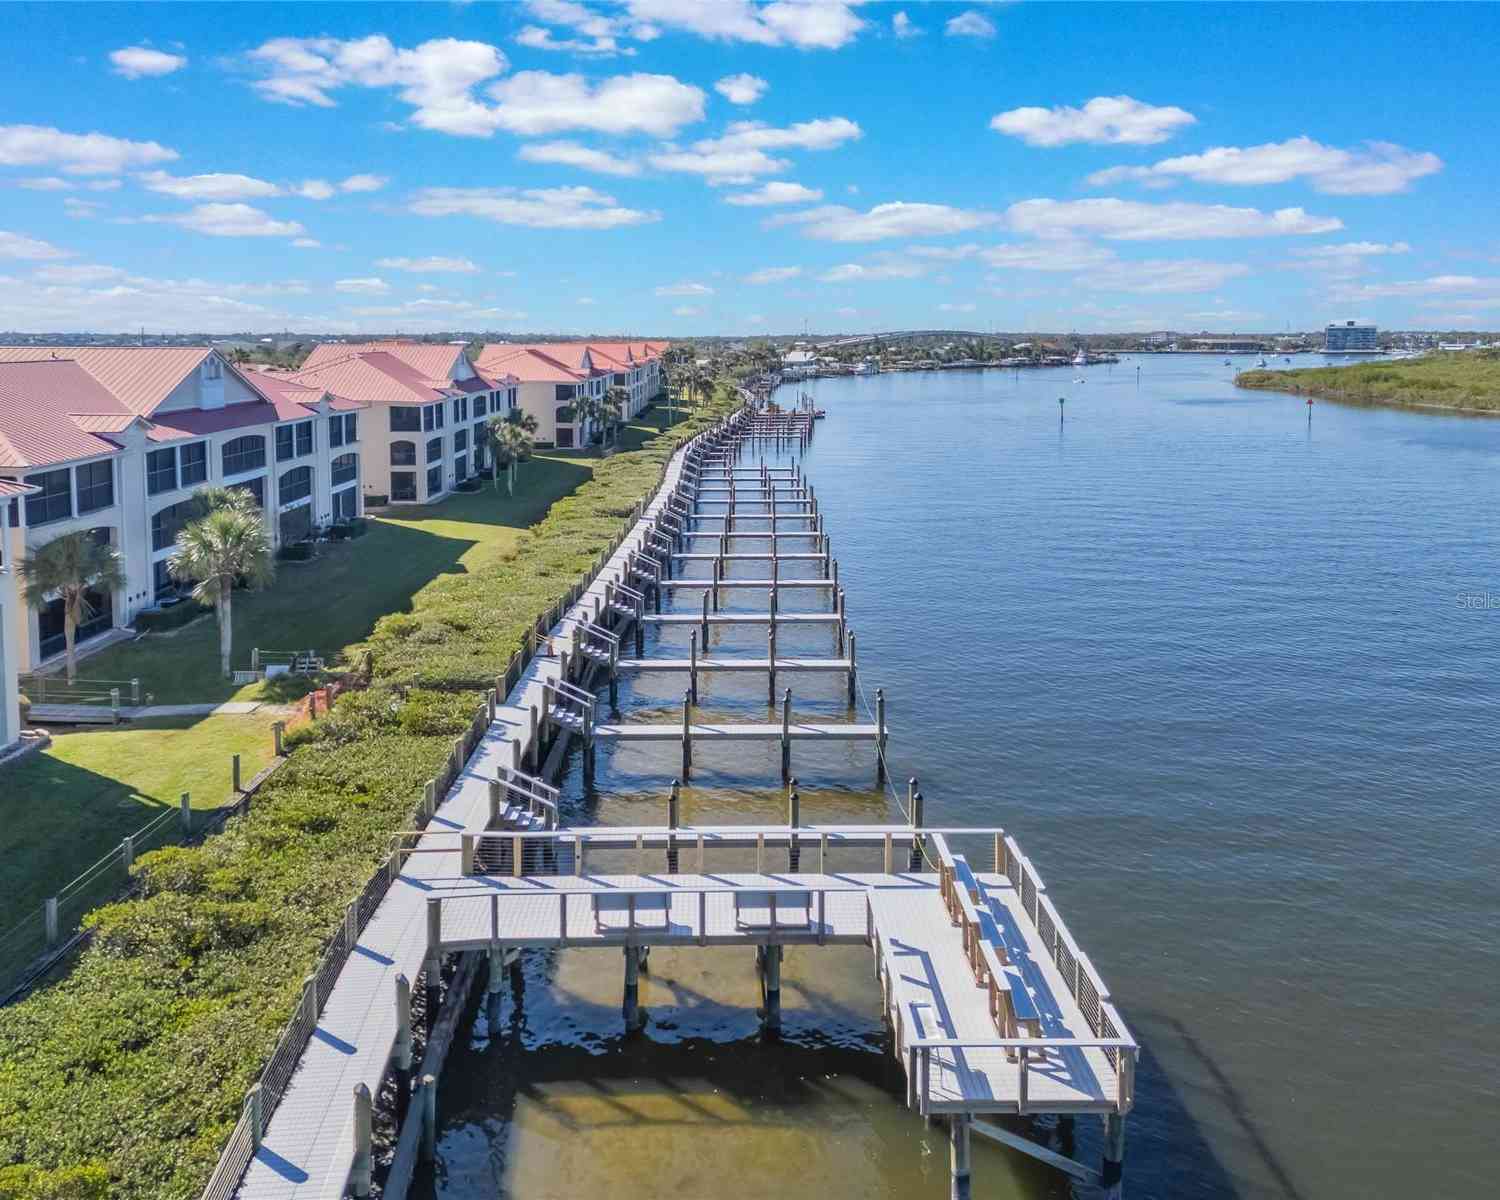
x,y
377,501
295,552
155,620
25,709
22,1182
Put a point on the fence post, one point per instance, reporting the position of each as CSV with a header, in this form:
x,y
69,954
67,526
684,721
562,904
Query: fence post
x,y
278,729
310,1001
185,802
135,691
114,705
364,1150
127,851
234,773
255,659
49,910
429,1117
257,1115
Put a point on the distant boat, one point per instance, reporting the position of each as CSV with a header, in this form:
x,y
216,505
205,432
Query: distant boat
x,y
1288,358
1080,359
1227,363
1261,361
1079,379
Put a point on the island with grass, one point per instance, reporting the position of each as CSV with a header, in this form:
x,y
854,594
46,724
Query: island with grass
x,y
1468,381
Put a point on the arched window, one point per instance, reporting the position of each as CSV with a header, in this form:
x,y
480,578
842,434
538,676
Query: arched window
x,y
565,415
403,454
345,468
295,485
244,454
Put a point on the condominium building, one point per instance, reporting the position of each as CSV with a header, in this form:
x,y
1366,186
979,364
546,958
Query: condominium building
x,y
429,409
115,440
552,376
1351,337
11,493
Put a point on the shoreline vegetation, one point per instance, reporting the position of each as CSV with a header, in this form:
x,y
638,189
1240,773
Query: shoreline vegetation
x,y
125,1076
1464,382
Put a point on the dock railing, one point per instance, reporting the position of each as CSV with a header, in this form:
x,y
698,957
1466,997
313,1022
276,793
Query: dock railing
x,y
920,1051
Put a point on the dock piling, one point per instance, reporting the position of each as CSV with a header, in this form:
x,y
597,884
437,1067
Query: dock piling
x,y
786,736
959,1164
880,735
402,1051
771,663
361,1173
1114,1155
674,808
704,626
687,733
429,1118
632,1004
793,819
693,665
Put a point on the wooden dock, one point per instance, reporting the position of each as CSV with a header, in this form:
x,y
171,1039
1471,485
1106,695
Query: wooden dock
x,y
993,1007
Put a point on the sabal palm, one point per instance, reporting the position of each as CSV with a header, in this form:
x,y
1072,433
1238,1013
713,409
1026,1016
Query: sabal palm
x,y
511,443
587,410
214,553
615,401
68,568
212,498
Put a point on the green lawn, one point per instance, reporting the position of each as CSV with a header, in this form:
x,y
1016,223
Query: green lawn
x,y
64,809
1468,380
331,603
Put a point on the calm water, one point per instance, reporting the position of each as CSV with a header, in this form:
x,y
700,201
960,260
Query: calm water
x,y
1209,662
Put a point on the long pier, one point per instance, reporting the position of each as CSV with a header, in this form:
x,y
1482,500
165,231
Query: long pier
x,y
992,1005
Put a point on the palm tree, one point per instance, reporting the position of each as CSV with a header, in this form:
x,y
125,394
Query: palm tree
x,y
615,401
587,410
510,442
212,498
69,568
225,547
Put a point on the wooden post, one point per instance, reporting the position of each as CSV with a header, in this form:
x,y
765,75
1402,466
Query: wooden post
x,y
880,735
693,665
687,733
362,1170
705,622
497,804
918,816
434,959
614,667
958,1158
402,1052
278,731
852,680
185,807
786,736
771,960
234,773
127,851
536,741
674,807
256,1106
114,705
631,1007
309,1001
429,1118
49,914
793,819
429,798
1114,1154
771,663
312,705
839,602
466,853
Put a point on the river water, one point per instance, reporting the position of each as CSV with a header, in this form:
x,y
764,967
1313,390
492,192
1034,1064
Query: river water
x,y
1227,669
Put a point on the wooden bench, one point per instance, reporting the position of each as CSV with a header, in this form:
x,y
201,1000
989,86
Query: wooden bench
x,y
773,909
616,912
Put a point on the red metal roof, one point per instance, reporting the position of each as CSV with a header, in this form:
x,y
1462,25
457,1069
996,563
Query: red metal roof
x,y
528,364
140,377
437,361
372,377
38,400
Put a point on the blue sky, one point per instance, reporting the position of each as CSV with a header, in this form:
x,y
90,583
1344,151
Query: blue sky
x,y
674,167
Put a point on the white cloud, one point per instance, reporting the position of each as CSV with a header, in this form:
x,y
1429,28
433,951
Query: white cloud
x,y
137,62
571,154
229,220
684,289
775,192
429,266
867,272
533,103
47,183
1128,220
306,243
1156,276
537,208
686,310
598,34
16,245
805,24
102,185
1114,120
1379,169
1049,254
534,37
742,88
1433,285
945,253
362,287
970,24
208,187
902,27
773,274
314,189
586,300
81,209
76,153
835,223
363,183
436,78
83,273
1352,250
739,154
962,308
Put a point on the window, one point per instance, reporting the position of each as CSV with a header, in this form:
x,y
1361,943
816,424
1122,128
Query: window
x,y
304,439
295,485
54,502
162,582
406,420
460,468
480,442
285,443
294,441
244,454
460,409
434,481
460,440
345,468
564,438
564,392
342,430
434,449
510,398
96,486
440,413
168,522
480,405
429,420
403,454
346,504
403,485
193,461
161,471
212,368
565,415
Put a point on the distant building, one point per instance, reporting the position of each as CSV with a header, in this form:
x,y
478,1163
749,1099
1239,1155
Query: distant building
x,y
1351,337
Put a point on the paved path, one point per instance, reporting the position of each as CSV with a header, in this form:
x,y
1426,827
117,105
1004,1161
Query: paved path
x,y
94,714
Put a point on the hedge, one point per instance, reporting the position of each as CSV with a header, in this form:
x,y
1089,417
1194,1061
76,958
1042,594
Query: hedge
x,y
155,620
126,1076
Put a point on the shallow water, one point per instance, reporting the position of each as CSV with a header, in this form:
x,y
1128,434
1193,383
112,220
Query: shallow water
x,y
1211,662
